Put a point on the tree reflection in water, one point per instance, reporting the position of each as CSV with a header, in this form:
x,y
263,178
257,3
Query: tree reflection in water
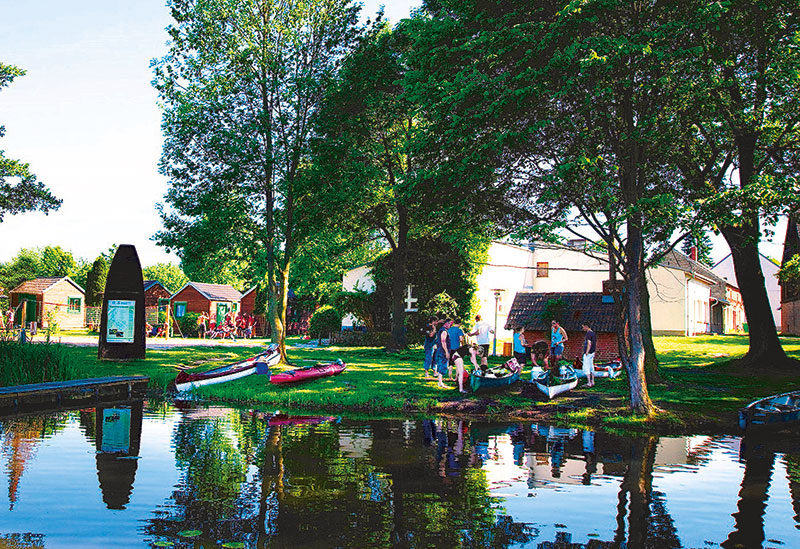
x,y
404,484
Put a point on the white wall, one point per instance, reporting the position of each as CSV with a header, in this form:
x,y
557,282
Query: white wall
x,y
667,288
725,270
570,271
359,278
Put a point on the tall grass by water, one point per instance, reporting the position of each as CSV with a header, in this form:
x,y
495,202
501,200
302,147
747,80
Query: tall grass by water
x,y
22,363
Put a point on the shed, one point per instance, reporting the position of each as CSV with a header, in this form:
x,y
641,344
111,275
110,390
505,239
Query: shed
x,y
59,296
216,300
155,293
532,311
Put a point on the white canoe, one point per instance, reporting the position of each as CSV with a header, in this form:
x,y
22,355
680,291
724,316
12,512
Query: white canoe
x,y
567,382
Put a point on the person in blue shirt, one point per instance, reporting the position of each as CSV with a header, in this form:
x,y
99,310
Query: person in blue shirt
x,y
442,353
456,340
521,349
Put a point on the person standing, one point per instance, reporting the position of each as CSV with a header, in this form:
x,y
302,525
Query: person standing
x,y
589,348
443,350
558,337
520,347
430,344
456,340
202,325
481,331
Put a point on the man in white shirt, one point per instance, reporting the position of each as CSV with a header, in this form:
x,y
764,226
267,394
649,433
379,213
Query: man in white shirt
x,y
481,332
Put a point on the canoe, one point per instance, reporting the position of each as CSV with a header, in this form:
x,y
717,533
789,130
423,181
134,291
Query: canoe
x,y
185,381
778,411
308,373
495,378
608,369
555,385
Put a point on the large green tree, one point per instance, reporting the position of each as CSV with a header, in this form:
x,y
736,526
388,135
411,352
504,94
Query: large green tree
x,y
96,282
239,86
170,275
739,105
19,189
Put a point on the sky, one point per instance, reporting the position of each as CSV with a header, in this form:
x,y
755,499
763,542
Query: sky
x,y
85,117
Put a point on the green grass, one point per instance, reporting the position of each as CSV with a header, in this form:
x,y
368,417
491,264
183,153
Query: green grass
x,y
702,390
35,363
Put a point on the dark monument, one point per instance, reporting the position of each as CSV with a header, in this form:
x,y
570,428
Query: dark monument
x,y
118,434
122,320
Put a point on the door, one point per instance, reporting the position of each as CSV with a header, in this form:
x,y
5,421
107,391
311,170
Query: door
x,y
222,310
30,309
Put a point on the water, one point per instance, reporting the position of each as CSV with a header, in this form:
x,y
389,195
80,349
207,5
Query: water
x,y
219,477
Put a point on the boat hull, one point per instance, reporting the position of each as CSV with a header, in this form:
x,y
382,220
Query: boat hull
x,y
570,381
485,383
307,374
608,370
773,412
186,381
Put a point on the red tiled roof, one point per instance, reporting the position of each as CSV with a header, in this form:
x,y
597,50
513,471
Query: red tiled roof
x,y
40,285
217,292
575,309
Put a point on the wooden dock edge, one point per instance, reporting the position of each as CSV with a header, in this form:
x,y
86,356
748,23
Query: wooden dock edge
x,y
64,394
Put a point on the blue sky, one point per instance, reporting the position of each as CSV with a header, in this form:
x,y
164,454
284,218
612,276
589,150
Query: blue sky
x,y
85,118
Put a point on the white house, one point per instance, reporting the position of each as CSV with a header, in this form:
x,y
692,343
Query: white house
x,y
724,269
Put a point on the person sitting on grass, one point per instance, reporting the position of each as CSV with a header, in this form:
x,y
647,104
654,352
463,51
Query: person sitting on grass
x,y
540,353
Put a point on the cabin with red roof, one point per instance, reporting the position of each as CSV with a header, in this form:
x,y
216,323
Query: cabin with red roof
x,y
60,295
216,300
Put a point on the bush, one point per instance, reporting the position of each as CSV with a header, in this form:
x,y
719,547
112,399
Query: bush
x,y
188,324
325,321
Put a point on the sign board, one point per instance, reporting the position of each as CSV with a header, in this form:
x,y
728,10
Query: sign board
x,y
116,430
121,321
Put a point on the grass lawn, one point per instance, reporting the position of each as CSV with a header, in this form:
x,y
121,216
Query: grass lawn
x,y
702,390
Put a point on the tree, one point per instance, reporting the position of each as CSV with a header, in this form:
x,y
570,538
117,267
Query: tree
x,y
96,282
19,189
701,241
171,276
739,150
56,261
239,86
26,265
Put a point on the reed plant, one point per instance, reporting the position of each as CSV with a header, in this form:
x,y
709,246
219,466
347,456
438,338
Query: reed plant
x,y
23,363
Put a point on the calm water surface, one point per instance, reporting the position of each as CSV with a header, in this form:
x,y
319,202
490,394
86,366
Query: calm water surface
x,y
219,477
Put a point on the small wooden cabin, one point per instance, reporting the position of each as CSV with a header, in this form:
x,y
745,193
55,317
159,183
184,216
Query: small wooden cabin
x,y
216,300
46,294
155,293
572,309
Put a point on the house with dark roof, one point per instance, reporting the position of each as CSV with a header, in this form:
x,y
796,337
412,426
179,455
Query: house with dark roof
x,y
790,289
724,269
688,298
59,298
533,311
216,300
155,294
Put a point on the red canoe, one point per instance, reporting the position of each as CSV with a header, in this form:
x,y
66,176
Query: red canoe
x,y
308,373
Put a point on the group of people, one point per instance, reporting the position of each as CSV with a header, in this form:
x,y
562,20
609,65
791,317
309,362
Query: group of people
x,y
446,346
550,354
234,325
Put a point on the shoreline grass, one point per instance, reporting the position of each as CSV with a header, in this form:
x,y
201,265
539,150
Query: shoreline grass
x,y
703,391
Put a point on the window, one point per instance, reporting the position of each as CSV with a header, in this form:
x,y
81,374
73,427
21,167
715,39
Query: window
x,y
411,301
74,305
542,269
180,309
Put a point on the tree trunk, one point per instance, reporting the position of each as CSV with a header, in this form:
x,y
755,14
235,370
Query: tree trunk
x,y
652,374
400,281
280,317
765,348
749,517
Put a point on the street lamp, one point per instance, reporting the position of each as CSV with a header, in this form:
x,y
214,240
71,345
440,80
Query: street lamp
x,y
498,292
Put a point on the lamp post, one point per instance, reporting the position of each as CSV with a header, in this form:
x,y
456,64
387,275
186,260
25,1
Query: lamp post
x,y
497,293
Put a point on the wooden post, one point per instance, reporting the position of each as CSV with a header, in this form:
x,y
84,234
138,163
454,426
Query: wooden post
x,y
167,324
23,315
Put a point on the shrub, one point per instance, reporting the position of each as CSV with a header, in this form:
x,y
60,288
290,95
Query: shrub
x,y
22,363
325,321
357,338
188,324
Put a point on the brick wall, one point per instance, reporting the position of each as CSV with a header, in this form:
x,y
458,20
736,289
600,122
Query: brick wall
x,y
195,301
153,294
607,348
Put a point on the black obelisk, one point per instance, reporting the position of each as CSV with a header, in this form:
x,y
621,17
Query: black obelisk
x,y
122,320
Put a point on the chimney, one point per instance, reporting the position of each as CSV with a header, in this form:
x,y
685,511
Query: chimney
x,y
693,253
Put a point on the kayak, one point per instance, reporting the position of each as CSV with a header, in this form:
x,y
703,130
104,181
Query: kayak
x,y
782,411
552,385
495,378
608,369
308,373
185,380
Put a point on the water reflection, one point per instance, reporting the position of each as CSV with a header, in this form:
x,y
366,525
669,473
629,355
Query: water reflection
x,y
213,476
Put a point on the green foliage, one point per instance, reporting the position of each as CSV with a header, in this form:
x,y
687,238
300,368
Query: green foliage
x,y
441,306
188,324
34,363
702,241
790,270
23,266
171,276
325,321
96,282
56,262
554,309
358,303
51,324
19,190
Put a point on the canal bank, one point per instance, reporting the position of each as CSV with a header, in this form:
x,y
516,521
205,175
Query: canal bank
x,y
702,392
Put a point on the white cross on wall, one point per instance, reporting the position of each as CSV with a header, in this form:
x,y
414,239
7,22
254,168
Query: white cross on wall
x,y
410,301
